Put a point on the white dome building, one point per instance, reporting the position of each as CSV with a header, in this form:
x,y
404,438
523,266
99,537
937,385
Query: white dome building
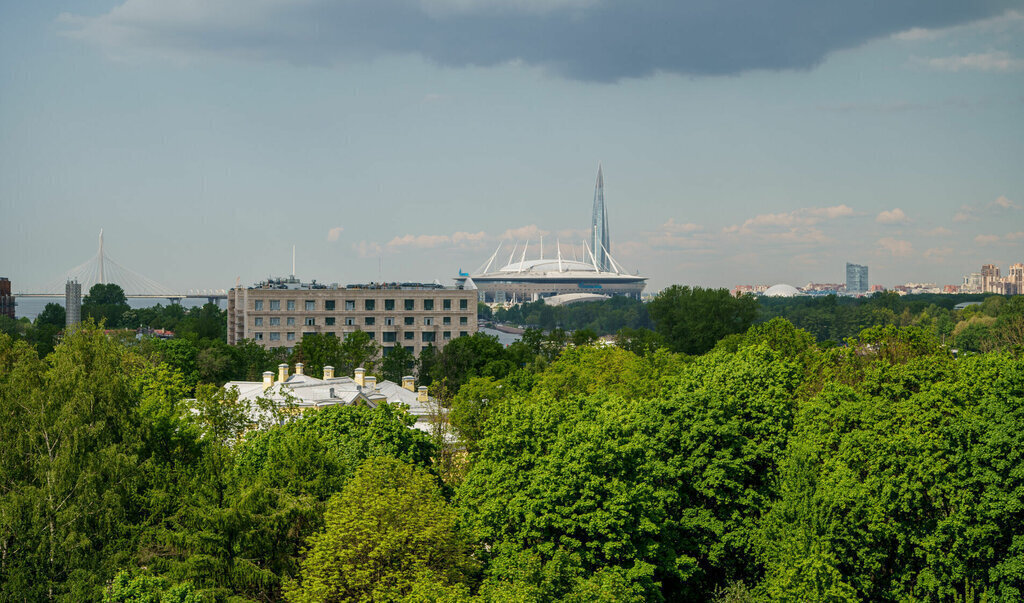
x,y
781,290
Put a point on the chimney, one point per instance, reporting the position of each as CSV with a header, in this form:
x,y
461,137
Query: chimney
x,y
282,372
409,383
360,375
422,396
371,382
328,372
268,380
298,368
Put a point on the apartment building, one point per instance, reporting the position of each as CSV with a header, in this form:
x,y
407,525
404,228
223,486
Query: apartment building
x,y
279,313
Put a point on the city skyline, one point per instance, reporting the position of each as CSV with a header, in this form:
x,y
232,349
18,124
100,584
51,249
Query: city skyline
x,y
208,139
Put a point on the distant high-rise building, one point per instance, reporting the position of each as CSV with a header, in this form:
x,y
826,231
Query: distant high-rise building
x,y
856,278
6,298
72,303
600,242
990,278
1015,280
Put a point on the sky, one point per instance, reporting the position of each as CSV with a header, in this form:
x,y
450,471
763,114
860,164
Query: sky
x,y
741,141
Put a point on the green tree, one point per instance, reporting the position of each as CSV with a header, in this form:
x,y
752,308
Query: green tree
x,y
398,363
70,482
53,315
386,529
141,588
105,303
359,350
693,320
665,476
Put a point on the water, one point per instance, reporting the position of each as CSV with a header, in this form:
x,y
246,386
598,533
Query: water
x,y
30,307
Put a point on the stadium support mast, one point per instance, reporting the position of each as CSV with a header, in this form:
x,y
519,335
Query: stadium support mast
x,y
600,242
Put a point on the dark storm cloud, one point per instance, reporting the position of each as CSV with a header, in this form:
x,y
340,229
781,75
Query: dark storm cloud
x,y
600,40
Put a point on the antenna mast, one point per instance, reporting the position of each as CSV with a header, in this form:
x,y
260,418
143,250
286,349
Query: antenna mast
x,y
293,260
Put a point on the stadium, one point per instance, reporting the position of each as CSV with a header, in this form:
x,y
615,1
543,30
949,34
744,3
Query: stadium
x,y
594,276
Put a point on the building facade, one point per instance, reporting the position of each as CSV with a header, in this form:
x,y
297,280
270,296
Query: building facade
x,y
856,278
7,301
414,316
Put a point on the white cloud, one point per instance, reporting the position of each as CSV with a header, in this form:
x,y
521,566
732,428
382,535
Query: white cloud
x,y
367,249
807,216
430,241
996,60
672,227
938,254
423,241
895,216
986,239
1014,236
1002,202
896,247
1007,21
939,231
531,231
334,233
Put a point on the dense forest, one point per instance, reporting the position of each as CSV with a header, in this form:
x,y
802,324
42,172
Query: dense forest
x,y
717,457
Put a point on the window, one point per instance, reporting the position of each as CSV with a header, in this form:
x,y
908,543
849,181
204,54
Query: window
x,y
310,321
304,333
410,349
291,336
350,304
275,321
275,304
428,304
310,305
329,321
258,321
410,304
291,304
463,320
463,333
388,336
371,334
329,305
428,321
257,305
257,336
447,320
389,321
277,336
409,320
389,304
428,336
463,304
369,305
408,335
447,334
350,321
369,320
290,321
447,304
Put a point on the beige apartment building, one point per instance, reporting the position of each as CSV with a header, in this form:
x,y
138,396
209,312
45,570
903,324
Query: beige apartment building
x,y
279,313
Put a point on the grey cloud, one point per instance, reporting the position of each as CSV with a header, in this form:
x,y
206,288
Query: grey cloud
x,y
598,40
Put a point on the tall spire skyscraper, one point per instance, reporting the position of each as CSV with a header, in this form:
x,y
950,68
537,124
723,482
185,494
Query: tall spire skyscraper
x,y
600,243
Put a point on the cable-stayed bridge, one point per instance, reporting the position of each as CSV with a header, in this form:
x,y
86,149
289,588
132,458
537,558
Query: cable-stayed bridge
x,y
101,269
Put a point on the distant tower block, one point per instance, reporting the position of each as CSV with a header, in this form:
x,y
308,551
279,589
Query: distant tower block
x,y
600,241
72,303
